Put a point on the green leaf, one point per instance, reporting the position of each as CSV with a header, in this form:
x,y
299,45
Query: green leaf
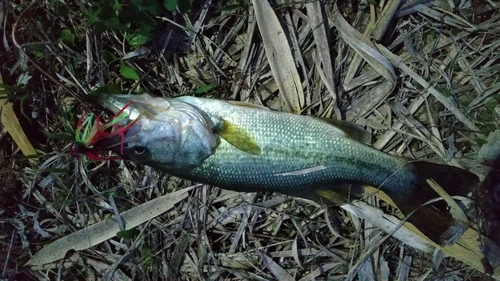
x,y
37,50
230,7
59,171
153,7
456,67
137,4
62,136
63,10
108,89
204,89
68,36
488,128
128,72
138,39
106,12
99,28
170,5
108,57
113,23
446,91
117,7
486,116
93,17
128,234
185,5
432,34
147,256
481,141
114,89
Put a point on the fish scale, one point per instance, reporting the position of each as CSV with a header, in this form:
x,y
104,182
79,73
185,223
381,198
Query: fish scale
x,y
248,148
291,143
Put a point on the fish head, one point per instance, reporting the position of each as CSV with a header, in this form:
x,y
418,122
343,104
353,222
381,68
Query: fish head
x,y
168,134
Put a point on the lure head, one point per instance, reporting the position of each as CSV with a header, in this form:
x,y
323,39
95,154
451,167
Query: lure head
x,y
77,149
93,137
166,133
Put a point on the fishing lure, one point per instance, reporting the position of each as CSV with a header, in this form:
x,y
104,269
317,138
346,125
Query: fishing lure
x,y
91,134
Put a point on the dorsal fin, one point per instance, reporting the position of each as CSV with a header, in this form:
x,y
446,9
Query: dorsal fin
x,y
246,104
238,137
352,130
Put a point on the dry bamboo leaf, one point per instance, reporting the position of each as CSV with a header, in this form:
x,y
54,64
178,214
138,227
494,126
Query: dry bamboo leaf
x,y
279,55
373,30
276,269
244,63
106,229
467,249
421,131
364,47
446,17
295,251
370,101
242,226
403,271
433,91
101,266
490,151
11,123
321,270
321,39
461,221
385,19
383,140
436,134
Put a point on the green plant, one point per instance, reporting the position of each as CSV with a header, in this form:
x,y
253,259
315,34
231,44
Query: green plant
x,y
138,18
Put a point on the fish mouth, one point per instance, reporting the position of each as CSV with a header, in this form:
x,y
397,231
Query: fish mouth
x,y
118,144
126,122
132,107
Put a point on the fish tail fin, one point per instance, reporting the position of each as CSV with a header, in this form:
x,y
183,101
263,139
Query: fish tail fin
x,y
488,199
433,219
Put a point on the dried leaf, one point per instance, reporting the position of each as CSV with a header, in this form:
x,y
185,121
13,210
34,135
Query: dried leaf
x,y
279,55
11,124
276,269
364,47
467,249
106,229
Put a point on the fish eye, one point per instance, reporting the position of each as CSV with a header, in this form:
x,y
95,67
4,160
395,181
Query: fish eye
x,y
140,153
139,150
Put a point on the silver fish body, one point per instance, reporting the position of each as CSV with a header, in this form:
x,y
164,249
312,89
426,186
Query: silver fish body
x,y
298,155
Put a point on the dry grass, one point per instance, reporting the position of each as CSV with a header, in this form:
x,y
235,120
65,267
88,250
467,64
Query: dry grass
x,y
423,79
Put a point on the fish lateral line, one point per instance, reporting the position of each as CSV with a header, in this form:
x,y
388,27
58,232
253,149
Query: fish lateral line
x,y
302,171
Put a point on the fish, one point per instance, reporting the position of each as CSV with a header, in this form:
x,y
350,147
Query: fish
x,y
249,148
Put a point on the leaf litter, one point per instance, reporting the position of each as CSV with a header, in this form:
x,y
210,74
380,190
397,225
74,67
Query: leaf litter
x,y
353,61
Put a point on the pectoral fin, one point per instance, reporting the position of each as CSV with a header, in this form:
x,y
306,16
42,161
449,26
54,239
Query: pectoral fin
x,y
238,137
